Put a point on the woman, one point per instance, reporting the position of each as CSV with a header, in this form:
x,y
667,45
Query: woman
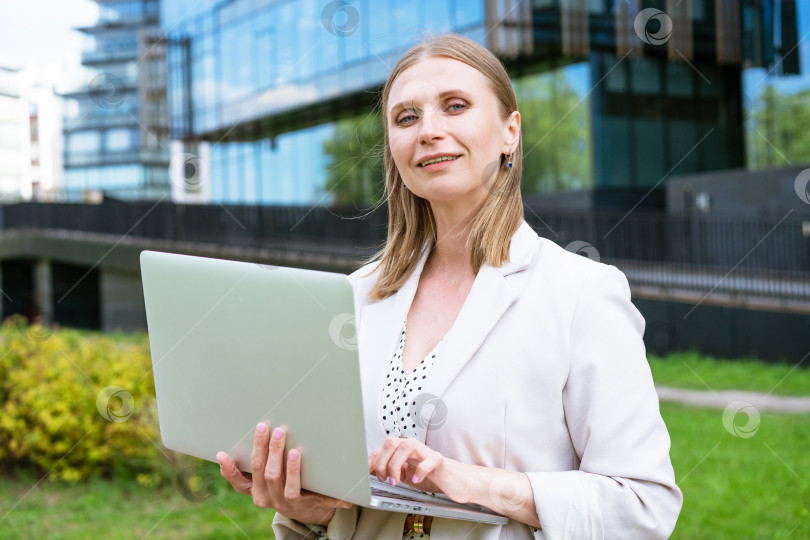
x,y
523,384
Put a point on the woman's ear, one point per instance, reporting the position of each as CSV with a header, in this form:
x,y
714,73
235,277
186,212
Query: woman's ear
x,y
511,132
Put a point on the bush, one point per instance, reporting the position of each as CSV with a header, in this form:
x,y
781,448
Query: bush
x,y
77,404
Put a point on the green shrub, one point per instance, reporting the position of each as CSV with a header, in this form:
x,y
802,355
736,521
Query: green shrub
x,y
55,414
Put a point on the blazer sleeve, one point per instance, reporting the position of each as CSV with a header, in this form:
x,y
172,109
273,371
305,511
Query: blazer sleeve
x,y
625,485
340,527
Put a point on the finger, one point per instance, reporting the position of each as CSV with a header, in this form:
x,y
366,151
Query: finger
x,y
406,449
426,467
292,486
231,473
371,458
274,471
380,467
258,461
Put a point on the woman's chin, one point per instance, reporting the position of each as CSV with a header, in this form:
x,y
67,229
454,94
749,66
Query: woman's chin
x,y
454,195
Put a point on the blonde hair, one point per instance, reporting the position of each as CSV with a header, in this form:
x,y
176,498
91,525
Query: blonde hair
x,y
410,218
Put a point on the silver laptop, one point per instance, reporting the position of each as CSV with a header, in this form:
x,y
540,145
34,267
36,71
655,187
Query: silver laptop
x,y
235,343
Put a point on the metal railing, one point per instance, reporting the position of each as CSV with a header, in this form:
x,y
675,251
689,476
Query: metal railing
x,y
767,257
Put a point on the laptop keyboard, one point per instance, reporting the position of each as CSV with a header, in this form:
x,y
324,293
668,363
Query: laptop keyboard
x,y
382,493
382,489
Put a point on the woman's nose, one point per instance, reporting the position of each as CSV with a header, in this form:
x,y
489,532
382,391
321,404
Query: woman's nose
x,y
431,128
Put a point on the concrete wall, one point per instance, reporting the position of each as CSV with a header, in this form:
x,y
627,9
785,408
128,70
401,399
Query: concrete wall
x,y
725,332
739,192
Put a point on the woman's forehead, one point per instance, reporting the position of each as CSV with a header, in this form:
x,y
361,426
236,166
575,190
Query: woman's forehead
x,y
434,76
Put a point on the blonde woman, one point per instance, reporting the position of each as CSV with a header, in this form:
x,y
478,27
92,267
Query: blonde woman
x,y
543,407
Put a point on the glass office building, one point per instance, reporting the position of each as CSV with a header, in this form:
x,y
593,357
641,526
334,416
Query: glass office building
x,y
15,154
116,129
280,95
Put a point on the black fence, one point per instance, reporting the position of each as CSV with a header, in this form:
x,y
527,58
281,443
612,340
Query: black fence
x,y
744,243
765,256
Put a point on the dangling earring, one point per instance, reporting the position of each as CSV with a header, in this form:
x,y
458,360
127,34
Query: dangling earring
x,y
508,157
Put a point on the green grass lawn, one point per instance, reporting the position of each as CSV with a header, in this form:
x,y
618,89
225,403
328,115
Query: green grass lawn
x,y
692,370
754,488
124,510
734,488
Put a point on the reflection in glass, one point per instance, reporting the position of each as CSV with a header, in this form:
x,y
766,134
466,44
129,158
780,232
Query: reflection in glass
x,y
556,132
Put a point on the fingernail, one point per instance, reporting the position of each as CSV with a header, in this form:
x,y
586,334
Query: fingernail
x,y
415,479
381,478
261,427
393,482
220,456
277,433
293,455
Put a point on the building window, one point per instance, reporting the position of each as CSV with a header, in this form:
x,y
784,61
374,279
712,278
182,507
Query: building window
x,y
118,140
87,142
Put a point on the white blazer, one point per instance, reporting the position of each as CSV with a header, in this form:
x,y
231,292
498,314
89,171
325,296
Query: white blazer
x,y
544,371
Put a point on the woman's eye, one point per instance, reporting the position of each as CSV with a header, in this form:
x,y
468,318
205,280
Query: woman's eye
x,y
405,118
455,107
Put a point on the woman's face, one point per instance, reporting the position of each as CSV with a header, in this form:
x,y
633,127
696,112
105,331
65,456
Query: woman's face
x,y
443,108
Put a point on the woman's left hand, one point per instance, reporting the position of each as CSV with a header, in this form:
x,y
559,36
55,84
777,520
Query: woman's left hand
x,y
403,459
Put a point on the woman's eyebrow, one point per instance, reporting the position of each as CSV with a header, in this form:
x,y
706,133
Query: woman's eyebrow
x,y
442,95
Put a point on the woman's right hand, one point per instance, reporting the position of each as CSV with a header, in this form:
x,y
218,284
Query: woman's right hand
x,y
270,487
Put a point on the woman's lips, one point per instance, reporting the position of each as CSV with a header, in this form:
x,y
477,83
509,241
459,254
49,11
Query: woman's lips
x,y
439,165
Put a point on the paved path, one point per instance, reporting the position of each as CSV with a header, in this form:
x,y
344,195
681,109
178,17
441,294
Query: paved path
x,y
722,398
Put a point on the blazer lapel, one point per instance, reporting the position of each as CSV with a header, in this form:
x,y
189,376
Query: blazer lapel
x,y
490,296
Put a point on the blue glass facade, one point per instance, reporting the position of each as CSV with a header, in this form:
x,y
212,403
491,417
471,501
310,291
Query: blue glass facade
x,y
236,69
281,89
251,59
291,173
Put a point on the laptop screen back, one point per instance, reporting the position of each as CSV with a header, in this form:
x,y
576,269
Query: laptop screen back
x,y
235,343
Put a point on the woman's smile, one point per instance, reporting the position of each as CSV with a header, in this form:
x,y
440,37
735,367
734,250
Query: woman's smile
x,y
438,163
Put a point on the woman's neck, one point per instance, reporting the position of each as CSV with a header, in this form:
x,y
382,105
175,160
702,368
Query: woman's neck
x,y
453,220
450,254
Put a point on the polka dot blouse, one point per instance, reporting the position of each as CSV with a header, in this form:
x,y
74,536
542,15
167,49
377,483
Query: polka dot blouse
x,y
400,390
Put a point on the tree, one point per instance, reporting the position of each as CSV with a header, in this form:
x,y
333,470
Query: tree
x,y
777,129
556,142
355,172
